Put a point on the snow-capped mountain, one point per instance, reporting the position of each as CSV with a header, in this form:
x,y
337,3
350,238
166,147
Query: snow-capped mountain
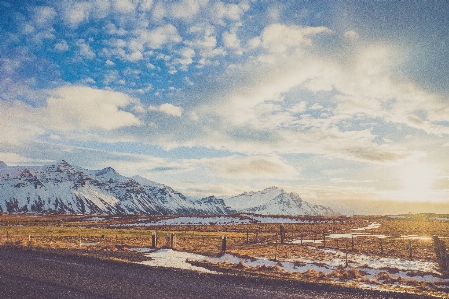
x,y
275,201
63,188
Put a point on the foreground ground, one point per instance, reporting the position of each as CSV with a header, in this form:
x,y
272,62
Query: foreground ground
x,y
49,274
388,254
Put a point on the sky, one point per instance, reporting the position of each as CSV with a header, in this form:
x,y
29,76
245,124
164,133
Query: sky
x,y
344,102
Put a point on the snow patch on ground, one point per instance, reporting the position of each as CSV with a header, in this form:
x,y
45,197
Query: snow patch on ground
x,y
169,258
371,226
370,266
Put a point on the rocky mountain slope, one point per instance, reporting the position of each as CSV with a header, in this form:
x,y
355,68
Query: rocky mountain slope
x,y
63,188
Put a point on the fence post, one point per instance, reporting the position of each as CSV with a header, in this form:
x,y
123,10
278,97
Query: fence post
x,y
410,249
172,240
346,246
281,231
153,240
247,236
441,254
324,240
381,246
167,240
223,244
352,242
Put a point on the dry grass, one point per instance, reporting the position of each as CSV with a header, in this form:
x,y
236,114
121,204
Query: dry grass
x,y
105,233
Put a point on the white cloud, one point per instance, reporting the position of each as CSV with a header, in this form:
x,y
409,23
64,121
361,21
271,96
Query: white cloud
x,y
78,107
13,159
251,167
19,123
76,12
351,34
124,6
298,108
231,41
85,50
187,9
44,16
62,46
186,58
146,5
279,38
204,41
159,37
219,12
167,108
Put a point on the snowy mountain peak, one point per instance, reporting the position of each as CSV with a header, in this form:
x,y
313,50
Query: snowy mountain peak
x,y
62,166
3,164
107,172
275,201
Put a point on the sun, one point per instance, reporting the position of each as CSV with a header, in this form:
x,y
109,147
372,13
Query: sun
x,y
417,179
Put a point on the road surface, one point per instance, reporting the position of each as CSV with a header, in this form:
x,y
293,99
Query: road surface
x,y
39,274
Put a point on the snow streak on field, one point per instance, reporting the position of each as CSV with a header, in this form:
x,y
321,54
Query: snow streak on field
x,y
219,220
370,267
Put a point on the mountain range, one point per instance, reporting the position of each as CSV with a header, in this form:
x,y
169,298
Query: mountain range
x,y
63,188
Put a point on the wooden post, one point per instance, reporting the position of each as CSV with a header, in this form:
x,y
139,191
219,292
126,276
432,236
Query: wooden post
x,y
301,236
172,240
153,240
167,241
410,249
441,254
346,245
352,243
256,237
247,236
223,244
324,240
276,249
381,246
281,232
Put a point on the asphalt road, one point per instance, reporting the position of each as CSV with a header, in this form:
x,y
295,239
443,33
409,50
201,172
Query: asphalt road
x,y
37,274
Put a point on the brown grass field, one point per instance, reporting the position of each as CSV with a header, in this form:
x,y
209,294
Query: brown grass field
x,y
107,233
111,237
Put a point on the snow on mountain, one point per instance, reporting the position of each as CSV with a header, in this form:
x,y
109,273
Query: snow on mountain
x,y
63,188
249,200
275,201
214,205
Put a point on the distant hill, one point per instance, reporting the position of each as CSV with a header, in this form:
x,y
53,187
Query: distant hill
x,y
63,188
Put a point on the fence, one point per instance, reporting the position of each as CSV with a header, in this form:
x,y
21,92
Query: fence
x,y
287,242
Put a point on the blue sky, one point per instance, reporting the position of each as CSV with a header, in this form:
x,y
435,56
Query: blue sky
x,y
334,100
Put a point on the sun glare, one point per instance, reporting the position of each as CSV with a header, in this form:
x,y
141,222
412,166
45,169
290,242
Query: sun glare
x,y
417,180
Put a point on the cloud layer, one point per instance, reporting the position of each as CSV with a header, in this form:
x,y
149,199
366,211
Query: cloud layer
x,y
225,93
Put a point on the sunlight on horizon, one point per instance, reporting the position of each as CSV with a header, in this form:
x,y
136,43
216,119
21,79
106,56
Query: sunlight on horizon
x,y
417,180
